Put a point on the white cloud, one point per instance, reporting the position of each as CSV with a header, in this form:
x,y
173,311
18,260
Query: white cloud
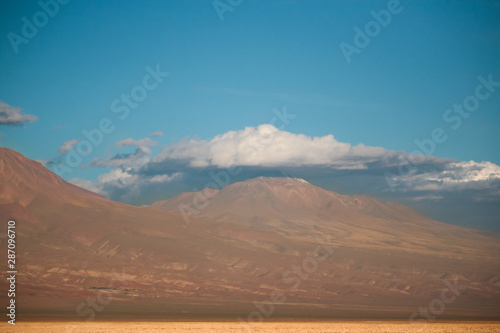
x,y
67,146
42,162
471,172
122,182
10,115
118,177
122,179
456,176
133,184
164,178
266,146
428,197
88,185
146,142
137,159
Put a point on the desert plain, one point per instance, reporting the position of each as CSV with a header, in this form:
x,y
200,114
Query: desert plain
x,y
230,327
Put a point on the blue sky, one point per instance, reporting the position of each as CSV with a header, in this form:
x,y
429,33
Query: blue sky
x,y
226,75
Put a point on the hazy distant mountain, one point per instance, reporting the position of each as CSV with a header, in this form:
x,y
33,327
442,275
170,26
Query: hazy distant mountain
x,y
245,242
295,208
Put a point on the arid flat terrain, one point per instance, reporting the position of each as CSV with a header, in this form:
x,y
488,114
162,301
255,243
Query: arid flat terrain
x,y
289,327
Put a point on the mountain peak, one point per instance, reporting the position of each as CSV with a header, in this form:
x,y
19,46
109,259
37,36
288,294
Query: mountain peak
x,y
16,168
279,178
280,187
275,180
22,180
289,199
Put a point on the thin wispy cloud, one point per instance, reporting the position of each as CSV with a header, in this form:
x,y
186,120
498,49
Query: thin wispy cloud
x,y
12,116
157,133
122,183
146,142
136,159
57,127
67,146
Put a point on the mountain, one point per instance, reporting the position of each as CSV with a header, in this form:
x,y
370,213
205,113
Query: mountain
x,y
327,255
295,208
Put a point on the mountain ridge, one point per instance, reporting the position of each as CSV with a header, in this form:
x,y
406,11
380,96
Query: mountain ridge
x,y
293,205
358,202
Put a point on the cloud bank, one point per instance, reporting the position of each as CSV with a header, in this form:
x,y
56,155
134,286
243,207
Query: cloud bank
x,y
191,164
266,146
67,146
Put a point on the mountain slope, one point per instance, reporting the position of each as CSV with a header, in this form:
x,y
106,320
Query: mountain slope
x,y
295,208
72,240
248,241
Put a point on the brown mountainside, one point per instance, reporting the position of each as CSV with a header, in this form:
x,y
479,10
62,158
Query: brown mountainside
x,y
294,207
250,239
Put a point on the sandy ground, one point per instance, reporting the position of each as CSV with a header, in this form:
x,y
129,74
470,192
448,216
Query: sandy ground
x,y
288,327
